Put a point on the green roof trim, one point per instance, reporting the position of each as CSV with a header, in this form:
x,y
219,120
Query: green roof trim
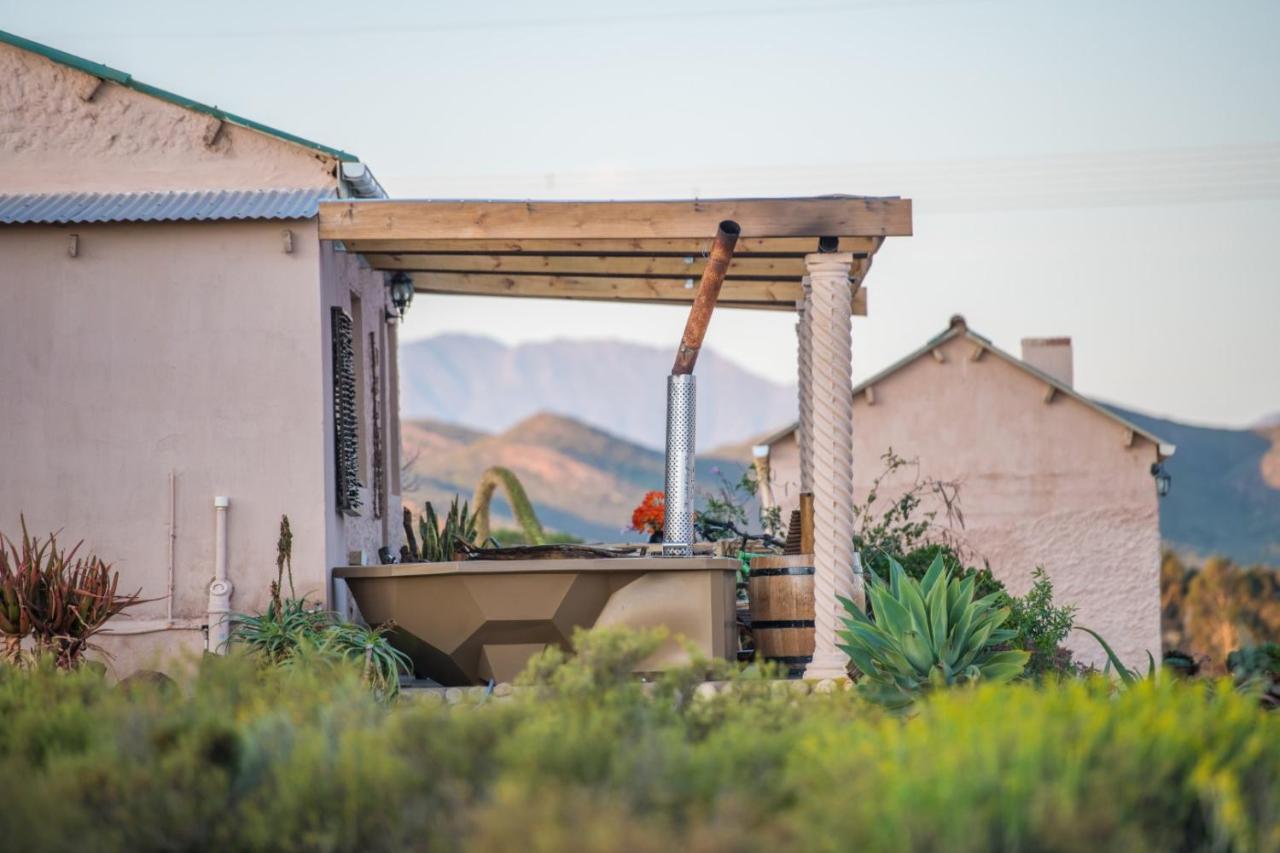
x,y
122,78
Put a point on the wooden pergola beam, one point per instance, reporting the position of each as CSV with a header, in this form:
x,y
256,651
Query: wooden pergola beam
x,y
564,220
766,295
689,266
792,247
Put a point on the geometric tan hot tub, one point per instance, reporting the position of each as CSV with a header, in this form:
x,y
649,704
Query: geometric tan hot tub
x,y
466,622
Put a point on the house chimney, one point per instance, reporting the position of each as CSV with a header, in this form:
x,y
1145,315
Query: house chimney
x,y
1051,356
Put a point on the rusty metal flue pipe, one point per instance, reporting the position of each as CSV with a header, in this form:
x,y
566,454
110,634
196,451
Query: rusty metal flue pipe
x,y
704,301
677,528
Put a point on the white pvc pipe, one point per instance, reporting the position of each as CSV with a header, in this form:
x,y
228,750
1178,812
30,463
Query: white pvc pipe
x,y
221,588
173,544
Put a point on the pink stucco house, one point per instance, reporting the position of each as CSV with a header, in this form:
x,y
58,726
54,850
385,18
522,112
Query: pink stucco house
x,y
168,331
1047,476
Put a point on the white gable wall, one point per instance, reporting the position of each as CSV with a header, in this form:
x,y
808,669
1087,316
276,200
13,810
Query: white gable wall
x,y
1042,484
52,140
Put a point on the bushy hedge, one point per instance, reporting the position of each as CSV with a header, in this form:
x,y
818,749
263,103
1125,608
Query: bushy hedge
x,y
249,758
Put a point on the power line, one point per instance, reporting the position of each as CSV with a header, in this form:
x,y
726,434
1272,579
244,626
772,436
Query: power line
x,y
726,13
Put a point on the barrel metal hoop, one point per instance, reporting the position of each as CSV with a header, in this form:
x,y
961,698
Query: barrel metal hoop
x,y
782,623
793,660
789,570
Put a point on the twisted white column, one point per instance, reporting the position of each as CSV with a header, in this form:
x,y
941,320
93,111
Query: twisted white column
x,y
804,363
830,309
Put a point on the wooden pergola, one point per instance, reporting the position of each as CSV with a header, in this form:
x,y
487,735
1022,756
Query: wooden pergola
x,y
809,255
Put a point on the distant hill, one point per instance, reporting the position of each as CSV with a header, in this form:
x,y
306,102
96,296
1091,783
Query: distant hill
x,y
469,402
1226,489
581,480
618,387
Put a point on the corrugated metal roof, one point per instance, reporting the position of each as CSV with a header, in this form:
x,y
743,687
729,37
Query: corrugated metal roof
x,y
123,78
207,205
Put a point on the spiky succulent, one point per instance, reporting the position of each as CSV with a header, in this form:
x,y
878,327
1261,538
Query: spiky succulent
x,y
441,542
926,633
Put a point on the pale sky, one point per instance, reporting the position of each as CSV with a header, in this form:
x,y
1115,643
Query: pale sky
x,y
1104,169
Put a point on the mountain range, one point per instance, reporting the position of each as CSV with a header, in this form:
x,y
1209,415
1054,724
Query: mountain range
x,y
581,480
581,423
1225,490
480,383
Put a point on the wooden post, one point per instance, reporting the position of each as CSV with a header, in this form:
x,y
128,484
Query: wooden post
x,y
806,522
832,395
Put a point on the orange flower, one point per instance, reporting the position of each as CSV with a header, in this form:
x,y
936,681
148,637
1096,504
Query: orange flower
x,y
649,515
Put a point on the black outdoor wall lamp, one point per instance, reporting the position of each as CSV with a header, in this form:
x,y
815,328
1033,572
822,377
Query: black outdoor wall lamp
x,y
1163,481
401,287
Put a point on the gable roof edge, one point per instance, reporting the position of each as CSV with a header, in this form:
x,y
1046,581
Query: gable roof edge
x,y
122,78
1163,448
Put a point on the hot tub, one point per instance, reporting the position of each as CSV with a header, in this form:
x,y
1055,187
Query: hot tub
x,y
467,622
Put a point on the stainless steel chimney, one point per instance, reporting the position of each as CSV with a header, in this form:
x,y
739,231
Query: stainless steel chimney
x,y
677,527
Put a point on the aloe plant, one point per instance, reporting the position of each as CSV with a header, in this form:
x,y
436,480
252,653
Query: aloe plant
x,y
516,497
381,663
1127,676
58,600
926,634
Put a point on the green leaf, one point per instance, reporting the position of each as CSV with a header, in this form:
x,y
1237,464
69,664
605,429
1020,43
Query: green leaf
x,y
896,578
931,576
962,600
1127,676
916,648
854,611
937,606
893,615
914,602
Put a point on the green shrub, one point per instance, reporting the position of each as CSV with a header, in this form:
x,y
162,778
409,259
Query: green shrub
x,y
927,633
243,757
1040,627
1256,669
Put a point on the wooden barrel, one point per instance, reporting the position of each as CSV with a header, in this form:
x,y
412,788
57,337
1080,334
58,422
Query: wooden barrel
x,y
781,592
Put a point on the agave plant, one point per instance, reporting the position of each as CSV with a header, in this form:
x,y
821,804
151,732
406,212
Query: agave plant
x,y
926,633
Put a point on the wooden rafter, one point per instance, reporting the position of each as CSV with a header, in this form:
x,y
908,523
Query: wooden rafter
x,y
776,295
613,251
639,265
